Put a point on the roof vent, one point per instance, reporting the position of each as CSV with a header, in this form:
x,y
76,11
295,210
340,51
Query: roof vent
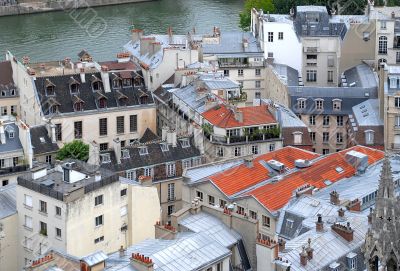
x,y
276,165
301,163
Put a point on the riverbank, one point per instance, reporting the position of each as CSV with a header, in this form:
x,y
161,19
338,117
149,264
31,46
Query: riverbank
x,y
29,7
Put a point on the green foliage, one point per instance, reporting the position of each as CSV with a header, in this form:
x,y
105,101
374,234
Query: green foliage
x,y
343,7
245,15
74,150
207,129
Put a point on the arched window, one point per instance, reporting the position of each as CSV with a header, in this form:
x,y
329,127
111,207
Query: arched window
x,y
382,45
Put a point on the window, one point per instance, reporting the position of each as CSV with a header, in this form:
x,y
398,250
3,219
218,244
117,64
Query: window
x,y
382,45
171,170
339,120
312,120
219,266
226,73
325,137
271,147
170,210
185,143
254,149
319,104
171,191
337,104
133,123
98,220
4,183
240,72
233,132
397,122
270,36
43,228
383,24
28,201
102,103
339,138
298,137
125,154
238,151
58,232
211,200
103,127
397,60
120,125
258,84
78,106
222,203
257,95
301,103
48,159
312,136
78,129
128,82
15,161
325,120
331,62
99,239
104,147
313,57
58,132
131,174
240,210
186,163
330,76
280,35
325,151
397,102
199,194
220,151
266,221
148,171
116,83
253,214
311,76
123,192
12,109
258,72
98,200
28,222
369,137
123,211
58,211
43,206
270,55
143,151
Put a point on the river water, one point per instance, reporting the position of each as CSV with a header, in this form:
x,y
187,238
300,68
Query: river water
x,y
104,30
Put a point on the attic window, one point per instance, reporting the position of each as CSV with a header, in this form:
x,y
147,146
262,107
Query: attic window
x,y
339,170
96,85
11,134
143,100
50,90
74,88
53,109
78,106
143,151
125,154
105,158
42,140
116,83
3,93
185,143
12,93
102,103
127,82
164,147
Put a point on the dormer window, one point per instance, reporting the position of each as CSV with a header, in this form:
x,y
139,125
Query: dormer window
x,y
138,81
319,104
122,98
50,88
143,150
369,137
164,147
78,106
53,109
301,103
3,93
127,82
185,143
116,82
125,154
96,83
11,134
393,82
105,158
102,103
337,104
297,137
12,92
73,85
144,99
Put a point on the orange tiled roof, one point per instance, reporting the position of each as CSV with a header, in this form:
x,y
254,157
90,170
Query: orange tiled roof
x,y
236,179
276,195
223,117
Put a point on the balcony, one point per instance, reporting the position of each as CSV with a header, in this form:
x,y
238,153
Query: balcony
x,y
224,140
239,64
16,169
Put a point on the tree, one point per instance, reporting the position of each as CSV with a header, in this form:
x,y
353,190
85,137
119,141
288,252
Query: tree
x,y
74,150
245,15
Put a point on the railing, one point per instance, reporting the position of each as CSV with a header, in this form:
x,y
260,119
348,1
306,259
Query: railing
x,y
8,170
240,64
241,139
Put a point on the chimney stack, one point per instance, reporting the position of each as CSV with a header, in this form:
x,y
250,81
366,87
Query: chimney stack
x,y
248,161
303,257
2,134
393,15
121,252
370,215
117,150
309,250
341,212
94,153
141,262
334,196
97,176
346,232
282,244
136,35
354,205
171,138
82,74
319,223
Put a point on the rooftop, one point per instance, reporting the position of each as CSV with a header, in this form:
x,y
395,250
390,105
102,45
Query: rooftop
x,y
41,141
367,113
224,117
6,79
8,205
11,142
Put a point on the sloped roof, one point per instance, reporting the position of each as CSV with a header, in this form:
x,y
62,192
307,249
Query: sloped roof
x,y
6,79
41,141
320,174
148,136
8,200
238,178
223,117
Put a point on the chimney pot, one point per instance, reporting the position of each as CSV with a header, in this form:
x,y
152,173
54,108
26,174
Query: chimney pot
x,y
341,212
319,223
303,257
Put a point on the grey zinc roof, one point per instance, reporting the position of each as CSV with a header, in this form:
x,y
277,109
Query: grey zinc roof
x,y
8,200
367,113
362,75
287,74
191,252
11,144
231,43
41,141
190,96
212,227
95,258
312,9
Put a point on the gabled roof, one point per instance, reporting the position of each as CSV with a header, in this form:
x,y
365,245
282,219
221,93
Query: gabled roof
x,y
6,79
239,178
223,117
148,136
320,174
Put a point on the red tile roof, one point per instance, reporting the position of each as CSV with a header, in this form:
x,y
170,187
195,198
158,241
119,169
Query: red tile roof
x,y
276,195
222,116
236,179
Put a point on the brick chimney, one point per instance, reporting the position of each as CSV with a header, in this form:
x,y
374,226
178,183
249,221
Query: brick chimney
x,y
346,232
282,244
271,244
319,224
141,262
334,195
341,212
354,205
121,252
117,150
136,35
145,180
303,257
309,250
370,215
306,189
